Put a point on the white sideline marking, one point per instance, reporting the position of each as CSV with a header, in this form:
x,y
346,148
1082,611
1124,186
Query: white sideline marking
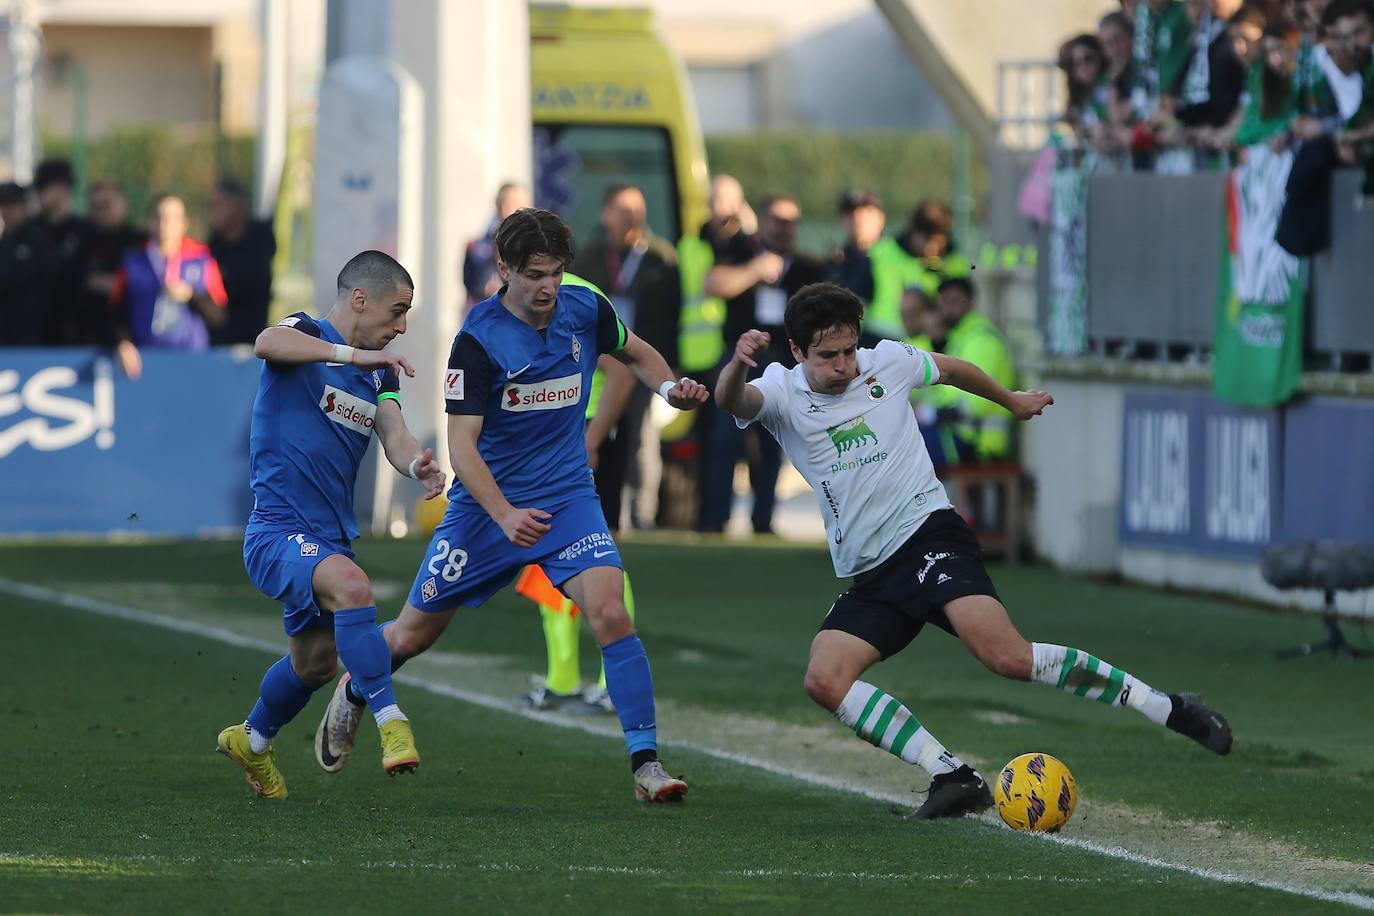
x,y
486,701
87,864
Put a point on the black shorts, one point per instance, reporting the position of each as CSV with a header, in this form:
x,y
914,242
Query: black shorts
x,y
887,606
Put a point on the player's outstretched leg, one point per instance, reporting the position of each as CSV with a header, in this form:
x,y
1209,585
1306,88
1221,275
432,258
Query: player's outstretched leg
x,y
342,587
281,696
1087,676
598,592
984,627
837,658
411,633
363,650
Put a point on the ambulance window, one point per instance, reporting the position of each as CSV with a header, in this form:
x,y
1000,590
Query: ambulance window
x,y
575,164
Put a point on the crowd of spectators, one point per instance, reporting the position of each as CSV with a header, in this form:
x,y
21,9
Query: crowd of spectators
x,y
97,279
1178,85
69,280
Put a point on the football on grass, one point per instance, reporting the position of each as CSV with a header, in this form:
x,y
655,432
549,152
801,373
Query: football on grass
x,y
1035,792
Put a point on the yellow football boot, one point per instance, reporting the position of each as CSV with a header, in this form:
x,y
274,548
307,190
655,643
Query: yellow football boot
x,y
398,747
259,769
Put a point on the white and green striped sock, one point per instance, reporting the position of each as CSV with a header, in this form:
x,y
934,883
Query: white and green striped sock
x,y
1088,676
881,720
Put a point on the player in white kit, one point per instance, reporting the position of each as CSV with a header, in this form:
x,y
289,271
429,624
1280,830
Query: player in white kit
x,y
843,417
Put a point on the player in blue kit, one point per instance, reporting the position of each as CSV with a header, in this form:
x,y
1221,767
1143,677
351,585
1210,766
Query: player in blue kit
x,y
516,391
326,386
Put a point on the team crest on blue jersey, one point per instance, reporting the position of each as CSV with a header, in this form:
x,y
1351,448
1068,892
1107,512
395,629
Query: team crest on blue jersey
x,y
577,350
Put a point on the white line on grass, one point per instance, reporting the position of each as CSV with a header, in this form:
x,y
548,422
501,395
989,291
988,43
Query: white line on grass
x,y
486,701
117,864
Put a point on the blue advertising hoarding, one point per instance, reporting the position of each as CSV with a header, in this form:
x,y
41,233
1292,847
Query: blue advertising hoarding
x,y
1202,476
1328,461
85,450
1199,475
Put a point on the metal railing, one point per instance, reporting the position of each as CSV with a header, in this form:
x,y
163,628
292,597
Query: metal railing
x,y
1029,101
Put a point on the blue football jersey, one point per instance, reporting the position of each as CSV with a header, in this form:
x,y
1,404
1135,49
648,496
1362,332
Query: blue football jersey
x,y
312,424
531,388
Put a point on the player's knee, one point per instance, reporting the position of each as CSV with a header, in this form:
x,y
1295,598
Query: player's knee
x,y
826,686
1010,660
350,588
611,622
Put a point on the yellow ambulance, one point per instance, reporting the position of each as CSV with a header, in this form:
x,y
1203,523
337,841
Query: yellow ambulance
x,y
611,104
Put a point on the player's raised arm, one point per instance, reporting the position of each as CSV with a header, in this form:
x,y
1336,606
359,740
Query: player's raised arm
x,y
403,449
524,527
968,377
286,346
652,369
732,394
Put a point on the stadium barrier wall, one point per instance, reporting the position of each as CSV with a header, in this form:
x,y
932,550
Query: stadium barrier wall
x,y
1153,255
1165,485
86,451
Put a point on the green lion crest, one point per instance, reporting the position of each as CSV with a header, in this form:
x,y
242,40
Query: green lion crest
x,y
847,435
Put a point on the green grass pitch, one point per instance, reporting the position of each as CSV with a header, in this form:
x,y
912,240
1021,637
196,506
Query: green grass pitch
x,y
113,801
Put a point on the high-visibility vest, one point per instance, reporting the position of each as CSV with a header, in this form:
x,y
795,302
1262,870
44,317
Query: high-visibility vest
x,y
895,272
892,269
699,342
985,425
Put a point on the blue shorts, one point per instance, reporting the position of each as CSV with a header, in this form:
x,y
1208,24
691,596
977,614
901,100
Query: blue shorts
x,y
282,566
469,559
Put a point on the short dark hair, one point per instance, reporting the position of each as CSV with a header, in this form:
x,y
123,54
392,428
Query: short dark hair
x,y
617,188
233,189
767,203
53,171
1340,9
104,184
532,231
817,308
854,199
13,193
931,217
962,284
1118,19
374,271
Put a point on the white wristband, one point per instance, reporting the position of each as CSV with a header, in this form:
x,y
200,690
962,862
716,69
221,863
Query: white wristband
x,y
665,388
410,471
343,354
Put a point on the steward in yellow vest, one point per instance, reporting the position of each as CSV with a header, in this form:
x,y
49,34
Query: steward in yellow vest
x,y
982,429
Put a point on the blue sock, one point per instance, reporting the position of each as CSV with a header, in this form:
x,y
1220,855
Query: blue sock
x,y
351,691
364,652
632,691
282,695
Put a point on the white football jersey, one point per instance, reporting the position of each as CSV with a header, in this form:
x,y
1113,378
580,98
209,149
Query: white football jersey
x,y
860,450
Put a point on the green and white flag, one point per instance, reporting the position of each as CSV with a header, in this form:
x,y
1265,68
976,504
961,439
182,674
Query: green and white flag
x,y
1260,290
1067,327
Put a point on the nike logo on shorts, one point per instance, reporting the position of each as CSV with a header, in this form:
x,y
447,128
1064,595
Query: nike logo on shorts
x,y
602,553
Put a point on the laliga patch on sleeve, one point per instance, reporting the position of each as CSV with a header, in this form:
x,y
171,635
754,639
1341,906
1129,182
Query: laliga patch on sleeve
x,y
453,384
288,322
